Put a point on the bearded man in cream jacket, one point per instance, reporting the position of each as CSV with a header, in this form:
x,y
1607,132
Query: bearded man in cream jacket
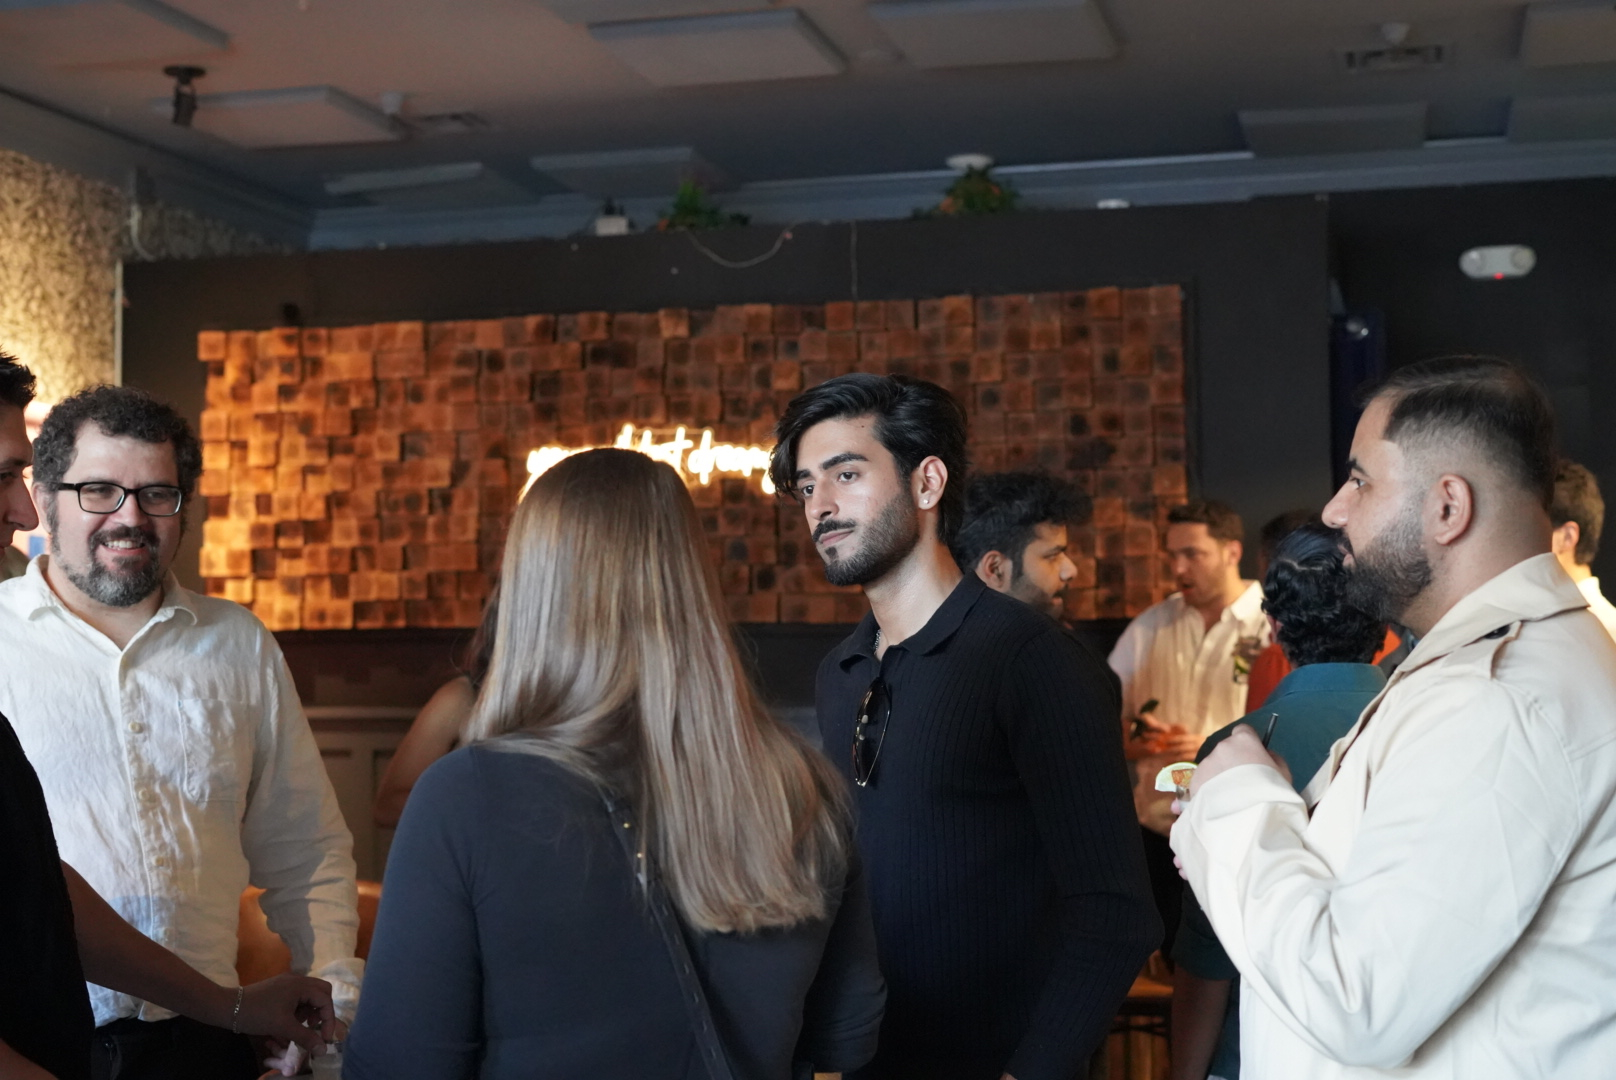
x,y
1444,911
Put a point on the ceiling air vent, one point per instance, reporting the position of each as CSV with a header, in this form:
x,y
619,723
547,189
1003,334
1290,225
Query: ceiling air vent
x,y
1396,58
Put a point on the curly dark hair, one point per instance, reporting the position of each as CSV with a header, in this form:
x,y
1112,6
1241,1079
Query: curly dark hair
x,y
117,411
16,382
1003,512
1305,591
914,420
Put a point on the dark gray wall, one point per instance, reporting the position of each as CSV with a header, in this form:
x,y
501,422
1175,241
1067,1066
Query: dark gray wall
x,y
1254,274
1397,252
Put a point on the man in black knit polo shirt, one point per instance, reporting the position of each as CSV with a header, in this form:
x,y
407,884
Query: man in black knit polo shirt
x,y
1007,880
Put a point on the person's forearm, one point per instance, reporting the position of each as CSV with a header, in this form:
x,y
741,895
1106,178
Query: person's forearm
x,y
1198,1009
119,957
13,1066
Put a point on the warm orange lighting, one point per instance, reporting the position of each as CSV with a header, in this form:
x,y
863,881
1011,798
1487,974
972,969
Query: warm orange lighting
x,y
698,460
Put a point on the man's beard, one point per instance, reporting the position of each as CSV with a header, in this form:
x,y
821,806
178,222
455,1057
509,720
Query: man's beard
x,y
887,541
1023,589
106,586
1392,570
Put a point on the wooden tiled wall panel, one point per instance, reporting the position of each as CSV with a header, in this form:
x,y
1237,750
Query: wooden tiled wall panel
x,y
363,476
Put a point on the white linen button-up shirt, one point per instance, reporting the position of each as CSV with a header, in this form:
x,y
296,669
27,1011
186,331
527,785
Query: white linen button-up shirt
x,y
1602,609
1197,674
1446,911
177,770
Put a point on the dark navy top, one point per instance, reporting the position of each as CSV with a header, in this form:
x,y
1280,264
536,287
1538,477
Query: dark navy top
x,y
513,941
1007,877
1317,704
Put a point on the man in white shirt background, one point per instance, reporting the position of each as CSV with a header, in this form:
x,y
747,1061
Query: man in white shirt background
x,y
166,733
1436,903
1184,665
1578,517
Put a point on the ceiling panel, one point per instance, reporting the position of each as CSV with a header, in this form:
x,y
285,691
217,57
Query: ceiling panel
x,y
76,33
617,174
1354,129
581,12
755,46
1578,32
296,116
1563,119
970,33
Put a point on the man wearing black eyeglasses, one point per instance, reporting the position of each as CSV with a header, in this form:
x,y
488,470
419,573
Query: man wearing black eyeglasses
x,y
166,734
1007,879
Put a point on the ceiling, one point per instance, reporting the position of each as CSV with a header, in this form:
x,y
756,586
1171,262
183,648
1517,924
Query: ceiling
x,y
1183,77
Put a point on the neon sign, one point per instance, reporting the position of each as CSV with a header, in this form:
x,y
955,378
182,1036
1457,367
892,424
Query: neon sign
x,y
690,458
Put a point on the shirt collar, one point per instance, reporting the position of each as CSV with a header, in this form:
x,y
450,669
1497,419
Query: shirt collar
x,y
929,638
1331,679
34,596
1532,589
1246,606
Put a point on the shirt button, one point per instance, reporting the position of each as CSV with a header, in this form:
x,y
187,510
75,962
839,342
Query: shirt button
x,y
136,726
147,795
161,862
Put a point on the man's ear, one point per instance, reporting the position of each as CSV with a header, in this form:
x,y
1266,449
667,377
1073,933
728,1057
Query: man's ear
x,y
928,481
995,571
1236,550
1563,540
1450,509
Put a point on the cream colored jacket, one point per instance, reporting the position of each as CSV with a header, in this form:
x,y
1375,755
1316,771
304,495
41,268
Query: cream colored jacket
x,y
1449,909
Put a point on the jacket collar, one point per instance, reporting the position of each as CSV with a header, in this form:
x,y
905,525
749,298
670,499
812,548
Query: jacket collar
x,y
1532,589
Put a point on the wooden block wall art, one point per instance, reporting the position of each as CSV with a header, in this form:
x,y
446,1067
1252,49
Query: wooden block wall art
x,y
364,476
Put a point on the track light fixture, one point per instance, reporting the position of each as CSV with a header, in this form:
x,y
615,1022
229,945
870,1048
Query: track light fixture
x,y
184,77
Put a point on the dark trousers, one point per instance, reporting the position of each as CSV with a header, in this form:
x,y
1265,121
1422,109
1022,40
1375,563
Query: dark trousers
x,y
177,1049
1165,885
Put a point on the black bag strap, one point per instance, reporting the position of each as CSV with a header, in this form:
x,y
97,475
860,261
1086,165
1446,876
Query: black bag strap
x,y
690,989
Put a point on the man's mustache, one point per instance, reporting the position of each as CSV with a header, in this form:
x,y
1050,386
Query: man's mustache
x,y
123,532
825,527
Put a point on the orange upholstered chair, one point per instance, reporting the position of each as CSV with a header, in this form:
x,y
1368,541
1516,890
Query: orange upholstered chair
x,y
261,954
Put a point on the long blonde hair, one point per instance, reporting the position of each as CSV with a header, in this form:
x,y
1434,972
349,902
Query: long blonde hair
x,y
613,656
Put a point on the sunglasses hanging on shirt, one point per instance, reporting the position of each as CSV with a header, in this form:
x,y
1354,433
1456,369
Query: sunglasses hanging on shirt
x,y
870,731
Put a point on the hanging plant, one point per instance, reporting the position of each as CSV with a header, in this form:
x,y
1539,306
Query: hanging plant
x,y
693,209
976,192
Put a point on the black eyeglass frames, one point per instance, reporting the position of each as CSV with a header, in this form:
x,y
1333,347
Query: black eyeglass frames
x,y
105,497
870,731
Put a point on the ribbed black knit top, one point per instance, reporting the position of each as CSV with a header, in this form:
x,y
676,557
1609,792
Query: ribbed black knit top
x,y
1012,909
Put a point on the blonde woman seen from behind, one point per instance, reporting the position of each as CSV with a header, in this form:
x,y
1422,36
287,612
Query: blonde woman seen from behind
x,y
520,934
